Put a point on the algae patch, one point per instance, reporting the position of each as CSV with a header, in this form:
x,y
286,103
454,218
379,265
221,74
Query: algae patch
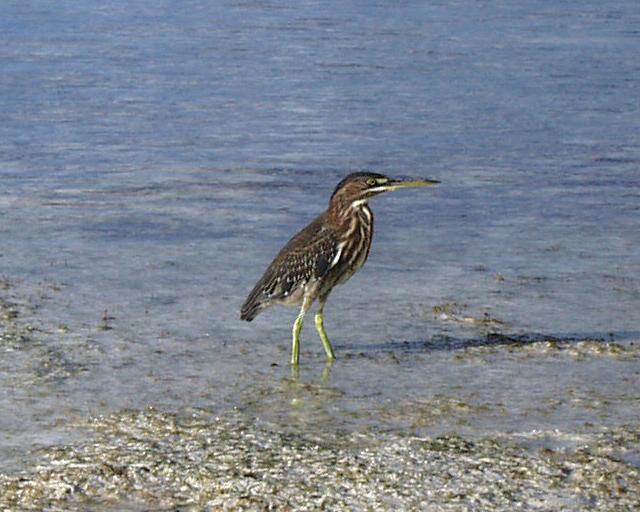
x,y
544,345
459,313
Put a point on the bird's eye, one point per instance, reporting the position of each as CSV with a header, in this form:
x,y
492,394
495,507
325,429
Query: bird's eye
x,y
371,182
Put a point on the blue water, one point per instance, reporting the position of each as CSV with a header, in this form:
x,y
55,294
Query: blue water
x,y
154,156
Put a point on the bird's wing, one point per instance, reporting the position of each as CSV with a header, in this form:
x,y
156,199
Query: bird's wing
x,y
309,254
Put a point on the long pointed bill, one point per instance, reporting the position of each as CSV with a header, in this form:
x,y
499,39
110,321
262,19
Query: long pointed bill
x,y
396,184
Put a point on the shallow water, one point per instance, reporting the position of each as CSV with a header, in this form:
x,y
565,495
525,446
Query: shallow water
x,y
153,160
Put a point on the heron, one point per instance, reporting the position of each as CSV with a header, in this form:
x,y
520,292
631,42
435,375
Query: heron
x,y
326,253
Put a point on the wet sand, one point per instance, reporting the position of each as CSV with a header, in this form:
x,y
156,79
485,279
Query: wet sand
x,y
240,459
154,460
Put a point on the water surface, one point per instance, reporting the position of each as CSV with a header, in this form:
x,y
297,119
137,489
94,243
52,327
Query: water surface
x,y
154,158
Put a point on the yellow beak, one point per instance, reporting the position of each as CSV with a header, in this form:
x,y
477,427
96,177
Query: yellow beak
x,y
396,184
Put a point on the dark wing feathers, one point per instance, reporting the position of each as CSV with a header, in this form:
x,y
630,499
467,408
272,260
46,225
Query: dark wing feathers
x,y
307,255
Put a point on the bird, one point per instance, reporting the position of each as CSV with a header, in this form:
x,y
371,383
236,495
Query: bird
x,y
324,254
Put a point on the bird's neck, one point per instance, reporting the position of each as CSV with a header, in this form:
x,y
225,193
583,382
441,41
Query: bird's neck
x,y
345,212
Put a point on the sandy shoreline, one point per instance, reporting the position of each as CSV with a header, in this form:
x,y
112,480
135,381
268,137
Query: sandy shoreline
x,y
153,460
158,460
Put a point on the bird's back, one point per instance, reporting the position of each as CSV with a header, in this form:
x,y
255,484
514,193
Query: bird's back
x,y
307,256
325,253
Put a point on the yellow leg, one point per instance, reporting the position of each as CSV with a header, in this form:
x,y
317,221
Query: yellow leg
x,y
295,344
319,318
297,327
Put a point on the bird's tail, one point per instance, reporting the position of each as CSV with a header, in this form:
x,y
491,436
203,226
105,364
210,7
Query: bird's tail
x,y
251,308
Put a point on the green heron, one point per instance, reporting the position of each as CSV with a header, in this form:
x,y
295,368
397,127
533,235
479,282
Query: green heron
x,y
324,254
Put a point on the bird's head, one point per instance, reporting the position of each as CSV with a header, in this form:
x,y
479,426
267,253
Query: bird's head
x,y
359,187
